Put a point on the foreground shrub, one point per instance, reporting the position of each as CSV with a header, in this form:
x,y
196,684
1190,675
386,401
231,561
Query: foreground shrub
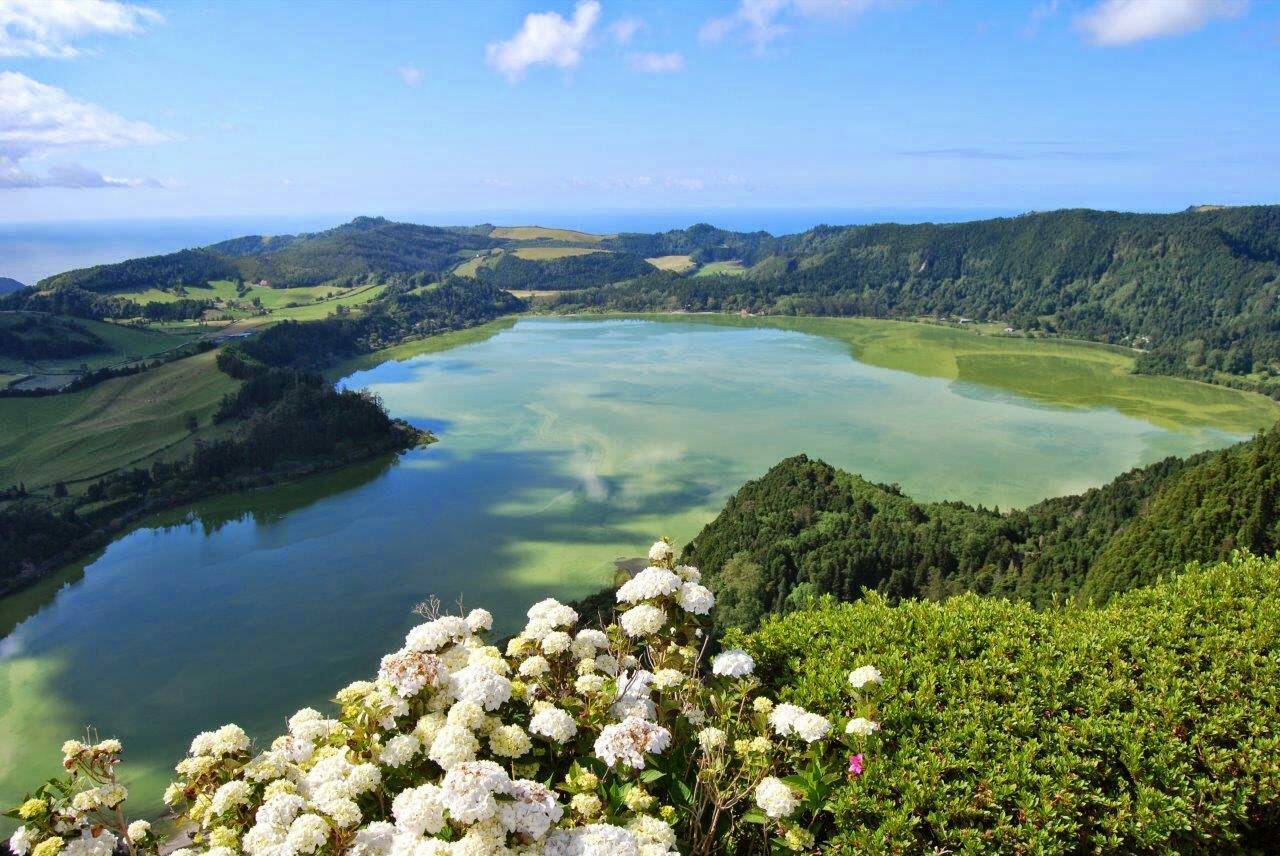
x,y
614,741
1147,726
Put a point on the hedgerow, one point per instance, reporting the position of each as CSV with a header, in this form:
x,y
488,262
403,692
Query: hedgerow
x,y
1145,726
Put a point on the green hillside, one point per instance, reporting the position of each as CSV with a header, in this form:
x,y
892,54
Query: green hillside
x,y
806,528
1145,726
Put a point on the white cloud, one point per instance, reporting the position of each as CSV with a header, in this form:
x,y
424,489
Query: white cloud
x,y
1123,22
36,119
48,28
410,74
762,21
657,63
545,38
624,29
70,175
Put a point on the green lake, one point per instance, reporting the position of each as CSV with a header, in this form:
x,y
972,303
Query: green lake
x,y
564,445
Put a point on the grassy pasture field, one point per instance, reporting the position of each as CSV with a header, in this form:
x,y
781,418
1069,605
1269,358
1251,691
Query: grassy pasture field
x,y
676,264
545,253
124,343
535,233
732,267
114,424
223,289
1054,372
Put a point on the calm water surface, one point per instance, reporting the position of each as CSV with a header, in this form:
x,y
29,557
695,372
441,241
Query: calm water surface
x,y
565,445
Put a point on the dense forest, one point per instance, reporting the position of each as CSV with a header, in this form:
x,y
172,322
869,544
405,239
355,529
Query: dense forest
x,y
46,337
1196,290
567,272
806,528
366,245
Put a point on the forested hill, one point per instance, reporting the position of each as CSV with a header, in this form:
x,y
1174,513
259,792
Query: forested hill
x,y
1197,290
365,246
7,285
807,528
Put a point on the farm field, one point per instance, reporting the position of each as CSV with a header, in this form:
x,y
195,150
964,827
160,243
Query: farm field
x,y
125,343
535,233
732,267
117,423
676,264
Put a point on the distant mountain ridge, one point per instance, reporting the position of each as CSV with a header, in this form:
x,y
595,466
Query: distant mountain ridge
x,y
1197,291
8,285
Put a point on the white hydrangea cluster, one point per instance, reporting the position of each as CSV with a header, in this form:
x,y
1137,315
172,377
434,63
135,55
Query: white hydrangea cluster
x,y
457,747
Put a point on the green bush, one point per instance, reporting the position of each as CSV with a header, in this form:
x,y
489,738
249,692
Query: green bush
x,y
1148,725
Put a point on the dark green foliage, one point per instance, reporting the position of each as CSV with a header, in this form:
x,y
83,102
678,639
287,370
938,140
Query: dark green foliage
x,y
46,337
185,267
805,523
567,272
31,531
1198,289
1228,501
704,242
1146,726
365,246
8,285
449,305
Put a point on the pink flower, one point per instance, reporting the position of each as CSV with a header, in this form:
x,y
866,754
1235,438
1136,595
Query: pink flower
x,y
855,764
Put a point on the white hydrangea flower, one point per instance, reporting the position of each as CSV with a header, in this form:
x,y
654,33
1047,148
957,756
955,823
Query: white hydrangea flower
x,y
665,679
556,642
596,839
634,698
628,741
652,830
532,810
734,663
783,716
534,667
468,790
661,552
410,672
374,840
589,684
649,584
864,675
642,620
479,620
689,573
228,796
138,830
811,727
21,840
509,741
418,810
467,714
696,599
400,750
453,745
711,739
279,811
481,684
227,740
88,845
434,635
776,799
553,613
554,724
861,726
307,834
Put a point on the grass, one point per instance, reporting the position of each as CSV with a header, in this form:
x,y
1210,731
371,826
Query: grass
x,y
732,267
535,233
125,343
545,253
225,290
114,424
1054,372
677,264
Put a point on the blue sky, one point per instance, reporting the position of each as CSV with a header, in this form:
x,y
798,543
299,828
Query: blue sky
x,y
162,109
